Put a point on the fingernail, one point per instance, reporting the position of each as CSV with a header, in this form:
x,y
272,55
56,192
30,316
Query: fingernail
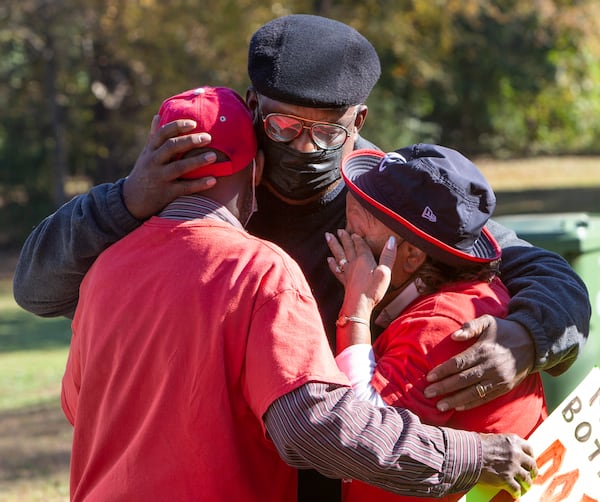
x,y
189,123
200,138
442,406
391,243
328,236
210,156
429,393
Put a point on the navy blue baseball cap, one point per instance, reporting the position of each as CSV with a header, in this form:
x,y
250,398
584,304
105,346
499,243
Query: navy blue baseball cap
x,y
430,195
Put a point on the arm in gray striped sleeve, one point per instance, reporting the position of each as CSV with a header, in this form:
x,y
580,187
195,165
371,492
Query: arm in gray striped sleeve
x,y
324,427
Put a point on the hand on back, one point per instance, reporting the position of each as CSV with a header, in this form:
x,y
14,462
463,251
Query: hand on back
x,y
499,360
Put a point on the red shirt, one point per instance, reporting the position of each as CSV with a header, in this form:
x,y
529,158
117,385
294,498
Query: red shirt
x,y
184,334
416,342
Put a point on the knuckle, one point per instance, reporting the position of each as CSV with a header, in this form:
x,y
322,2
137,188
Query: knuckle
x,y
477,372
463,377
487,318
467,326
462,362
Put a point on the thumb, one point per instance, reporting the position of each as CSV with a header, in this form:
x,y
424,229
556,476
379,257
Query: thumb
x,y
472,329
155,123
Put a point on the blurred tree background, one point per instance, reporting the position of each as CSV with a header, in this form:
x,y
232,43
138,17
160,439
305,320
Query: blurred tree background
x,y
81,79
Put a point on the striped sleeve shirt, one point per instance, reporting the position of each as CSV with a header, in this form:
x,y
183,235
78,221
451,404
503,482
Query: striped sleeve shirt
x,y
326,428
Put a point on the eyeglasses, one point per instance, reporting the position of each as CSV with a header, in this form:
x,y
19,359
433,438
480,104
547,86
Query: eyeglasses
x,y
284,128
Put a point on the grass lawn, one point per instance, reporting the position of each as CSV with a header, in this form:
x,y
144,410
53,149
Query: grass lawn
x,y
35,437
541,173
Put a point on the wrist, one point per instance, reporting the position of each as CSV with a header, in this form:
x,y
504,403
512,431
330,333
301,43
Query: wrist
x,y
517,338
128,195
356,308
115,199
352,330
343,320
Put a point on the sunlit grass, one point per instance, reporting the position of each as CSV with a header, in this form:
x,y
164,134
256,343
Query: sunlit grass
x,y
31,377
42,489
35,437
541,173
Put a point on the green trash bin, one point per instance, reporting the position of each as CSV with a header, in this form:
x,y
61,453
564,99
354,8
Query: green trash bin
x,y
576,237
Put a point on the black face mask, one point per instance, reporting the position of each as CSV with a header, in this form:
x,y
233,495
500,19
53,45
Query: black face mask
x,y
297,175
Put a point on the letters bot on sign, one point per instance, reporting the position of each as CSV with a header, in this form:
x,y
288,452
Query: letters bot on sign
x,y
567,450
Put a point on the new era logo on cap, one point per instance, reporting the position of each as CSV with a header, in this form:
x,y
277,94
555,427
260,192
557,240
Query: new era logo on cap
x,y
428,214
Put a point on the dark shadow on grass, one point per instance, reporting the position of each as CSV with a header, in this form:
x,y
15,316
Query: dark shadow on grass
x,y
34,441
20,330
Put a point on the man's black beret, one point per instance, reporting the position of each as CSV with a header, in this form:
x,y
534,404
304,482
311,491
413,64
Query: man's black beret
x,y
312,61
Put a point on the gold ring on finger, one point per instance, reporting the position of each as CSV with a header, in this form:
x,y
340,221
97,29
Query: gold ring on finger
x,y
480,390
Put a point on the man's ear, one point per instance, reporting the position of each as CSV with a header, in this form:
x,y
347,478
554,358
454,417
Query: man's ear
x,y
414,258
361,116
260,164
251,99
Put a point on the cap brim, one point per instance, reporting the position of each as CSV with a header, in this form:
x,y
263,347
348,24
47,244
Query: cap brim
x,y
354,168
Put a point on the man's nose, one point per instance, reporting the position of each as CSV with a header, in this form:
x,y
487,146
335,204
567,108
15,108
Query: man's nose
x,y
304,143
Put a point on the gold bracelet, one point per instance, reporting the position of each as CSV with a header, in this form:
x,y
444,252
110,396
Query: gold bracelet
x,y
343,320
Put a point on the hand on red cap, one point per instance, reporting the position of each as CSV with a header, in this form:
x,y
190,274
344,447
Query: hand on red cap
x,y
155,180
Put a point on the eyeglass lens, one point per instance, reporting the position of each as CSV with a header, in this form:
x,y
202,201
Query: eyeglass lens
x,y
285,128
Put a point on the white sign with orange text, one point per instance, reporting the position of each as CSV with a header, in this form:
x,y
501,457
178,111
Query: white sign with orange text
x,y
567,449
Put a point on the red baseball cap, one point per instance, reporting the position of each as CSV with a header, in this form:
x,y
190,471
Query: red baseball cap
x,y
223,114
